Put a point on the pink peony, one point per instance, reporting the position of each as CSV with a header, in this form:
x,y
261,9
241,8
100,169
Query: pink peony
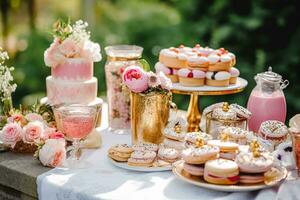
x,y
136,79
56,135
165,82
153,80
52,55
33,117
11,134
53,153
33,132
69,48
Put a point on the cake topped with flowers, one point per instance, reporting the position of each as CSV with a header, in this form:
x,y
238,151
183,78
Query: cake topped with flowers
x,y
70,57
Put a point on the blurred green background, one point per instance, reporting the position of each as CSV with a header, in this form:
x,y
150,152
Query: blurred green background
x,y
260,33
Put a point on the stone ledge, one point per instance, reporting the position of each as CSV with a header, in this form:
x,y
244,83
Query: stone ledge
x,y
19,173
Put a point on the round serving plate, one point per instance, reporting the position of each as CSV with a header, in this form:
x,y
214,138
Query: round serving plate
x,y
199,181
124,165
210,90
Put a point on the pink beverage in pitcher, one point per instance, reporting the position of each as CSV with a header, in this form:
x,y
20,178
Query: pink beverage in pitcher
x,y
267,101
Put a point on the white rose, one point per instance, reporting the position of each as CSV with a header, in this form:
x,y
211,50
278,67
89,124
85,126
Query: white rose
x,y
53,153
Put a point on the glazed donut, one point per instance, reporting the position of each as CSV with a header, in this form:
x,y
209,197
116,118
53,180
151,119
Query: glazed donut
x,y
274,131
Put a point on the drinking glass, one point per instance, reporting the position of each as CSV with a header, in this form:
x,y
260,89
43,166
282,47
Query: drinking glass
x,y
76,122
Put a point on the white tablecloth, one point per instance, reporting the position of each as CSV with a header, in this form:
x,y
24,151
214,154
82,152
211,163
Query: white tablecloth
x,y
102,180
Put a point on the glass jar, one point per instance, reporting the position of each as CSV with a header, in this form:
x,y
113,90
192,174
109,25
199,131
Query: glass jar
x,y
119,57
267,100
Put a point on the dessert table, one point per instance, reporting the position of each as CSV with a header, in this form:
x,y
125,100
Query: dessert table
x,y
103,180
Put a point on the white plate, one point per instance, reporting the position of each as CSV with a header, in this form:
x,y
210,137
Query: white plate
x,y
241,83
124,165
198,181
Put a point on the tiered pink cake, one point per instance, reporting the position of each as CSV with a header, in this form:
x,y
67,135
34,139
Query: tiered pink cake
x,y
72,82
71,57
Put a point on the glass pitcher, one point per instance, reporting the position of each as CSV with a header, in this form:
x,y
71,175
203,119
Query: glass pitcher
x,y
119,57
267,100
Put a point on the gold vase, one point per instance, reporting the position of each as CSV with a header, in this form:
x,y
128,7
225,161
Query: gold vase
x,y
149,116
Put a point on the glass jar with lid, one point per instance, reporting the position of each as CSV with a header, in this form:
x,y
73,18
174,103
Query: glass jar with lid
x,y
119,57
267,100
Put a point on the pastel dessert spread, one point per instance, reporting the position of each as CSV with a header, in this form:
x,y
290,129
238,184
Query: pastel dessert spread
x,y
198,66
200,154
228,149
192,138
235,134
221,171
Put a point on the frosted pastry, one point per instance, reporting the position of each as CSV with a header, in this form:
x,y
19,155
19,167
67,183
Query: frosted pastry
x,y
234,73
217,78
188,77
169,72
273,131
173,58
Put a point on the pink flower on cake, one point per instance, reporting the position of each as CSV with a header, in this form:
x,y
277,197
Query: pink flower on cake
x,y
53,153
165,82
52,55
11,134
33,132
136,79
69,48
91,51
33,117
153,80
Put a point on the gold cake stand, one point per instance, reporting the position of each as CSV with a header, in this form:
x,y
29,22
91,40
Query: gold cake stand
x,y
193,113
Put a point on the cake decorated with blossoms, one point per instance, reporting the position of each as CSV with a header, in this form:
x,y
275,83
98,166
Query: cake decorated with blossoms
x,y
70,57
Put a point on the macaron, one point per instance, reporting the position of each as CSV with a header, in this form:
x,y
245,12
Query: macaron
x,y
174,144
142,158
201,154
145,146
248,162
195,170
221,171
120,152
228,149
168,154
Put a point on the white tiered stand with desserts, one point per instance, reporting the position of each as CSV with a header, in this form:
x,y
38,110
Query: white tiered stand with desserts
x,y
194,114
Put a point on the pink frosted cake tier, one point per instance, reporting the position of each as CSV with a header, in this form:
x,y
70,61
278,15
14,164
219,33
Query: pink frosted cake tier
x,y
65,91
73,69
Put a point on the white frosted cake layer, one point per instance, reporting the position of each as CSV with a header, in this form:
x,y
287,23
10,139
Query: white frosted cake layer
x,y
65,91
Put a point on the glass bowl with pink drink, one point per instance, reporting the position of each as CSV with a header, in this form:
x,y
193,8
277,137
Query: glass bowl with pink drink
x,y
76,121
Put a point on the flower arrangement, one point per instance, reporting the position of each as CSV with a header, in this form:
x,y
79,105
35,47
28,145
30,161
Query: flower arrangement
x,y
140,81
71,41
7,86
33,130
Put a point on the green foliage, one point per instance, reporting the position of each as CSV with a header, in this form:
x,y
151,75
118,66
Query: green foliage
x,y
260,33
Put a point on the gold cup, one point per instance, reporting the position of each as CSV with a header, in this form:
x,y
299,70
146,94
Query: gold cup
x,y
149,116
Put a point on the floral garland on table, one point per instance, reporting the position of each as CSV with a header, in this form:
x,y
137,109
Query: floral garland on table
x,y
28,130
140,81
71,41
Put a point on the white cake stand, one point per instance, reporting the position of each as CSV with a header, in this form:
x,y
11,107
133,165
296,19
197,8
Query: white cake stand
x,y
194,114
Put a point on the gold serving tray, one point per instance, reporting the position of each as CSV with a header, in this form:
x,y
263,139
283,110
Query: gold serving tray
x,y
199,181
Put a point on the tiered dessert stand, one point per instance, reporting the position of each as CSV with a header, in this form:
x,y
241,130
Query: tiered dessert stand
x,y
194,113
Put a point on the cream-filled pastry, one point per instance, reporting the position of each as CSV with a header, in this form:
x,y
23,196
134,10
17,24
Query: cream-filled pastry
x,y
218,78
234,73
193,78
169,72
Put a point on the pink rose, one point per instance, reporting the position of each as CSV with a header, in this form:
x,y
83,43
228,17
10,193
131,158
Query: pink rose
x,y
69,48
165,82
33,117
53,153
11,134
57,135
136,79
33,132
52,55
18,118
